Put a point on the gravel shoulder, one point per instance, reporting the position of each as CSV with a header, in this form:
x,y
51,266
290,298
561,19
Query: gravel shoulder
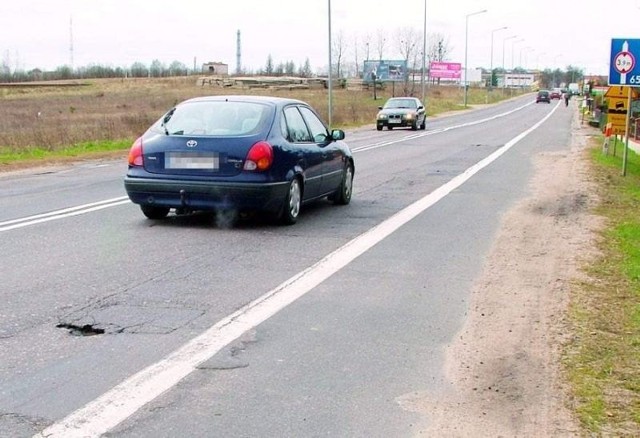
x,y
504,367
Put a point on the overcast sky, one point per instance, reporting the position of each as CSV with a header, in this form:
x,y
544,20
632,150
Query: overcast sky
x,y
549,33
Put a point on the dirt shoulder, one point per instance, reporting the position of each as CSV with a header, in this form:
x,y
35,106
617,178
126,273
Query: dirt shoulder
x,y
504,367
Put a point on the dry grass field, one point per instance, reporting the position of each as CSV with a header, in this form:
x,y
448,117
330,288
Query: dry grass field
x,y
38,120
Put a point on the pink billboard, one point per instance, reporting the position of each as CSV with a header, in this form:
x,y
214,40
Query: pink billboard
x,y
445,70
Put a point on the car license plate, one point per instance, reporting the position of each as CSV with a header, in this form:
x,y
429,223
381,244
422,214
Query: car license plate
x,y
394,120
191,160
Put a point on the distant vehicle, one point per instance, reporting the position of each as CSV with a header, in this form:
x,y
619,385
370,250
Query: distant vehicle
x,y
556,93
574,89
401,112
543,96
238,154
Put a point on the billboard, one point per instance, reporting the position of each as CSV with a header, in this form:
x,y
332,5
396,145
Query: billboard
x,y
445,70
517,80
385,70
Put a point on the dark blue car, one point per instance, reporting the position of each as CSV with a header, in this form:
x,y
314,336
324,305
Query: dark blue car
x,y
239,154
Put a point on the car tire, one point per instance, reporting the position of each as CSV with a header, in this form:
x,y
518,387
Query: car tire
x,y
152,212
423,125
389,127
342,196
414,125
379,127
292,203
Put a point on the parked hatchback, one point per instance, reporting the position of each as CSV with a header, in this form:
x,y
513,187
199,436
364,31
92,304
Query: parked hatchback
x,y
237,154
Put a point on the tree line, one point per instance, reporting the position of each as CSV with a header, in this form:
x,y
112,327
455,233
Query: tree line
x,y
348,56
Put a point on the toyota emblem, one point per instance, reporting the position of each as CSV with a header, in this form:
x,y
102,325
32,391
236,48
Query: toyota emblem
x,y
192,144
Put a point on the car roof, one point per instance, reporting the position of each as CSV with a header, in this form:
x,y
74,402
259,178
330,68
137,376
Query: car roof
x,y
403,98
246,98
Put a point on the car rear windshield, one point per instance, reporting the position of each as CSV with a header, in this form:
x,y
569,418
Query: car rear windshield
x,y
226,118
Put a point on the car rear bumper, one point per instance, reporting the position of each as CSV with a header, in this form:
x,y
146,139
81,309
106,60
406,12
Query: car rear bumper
x,y
206,195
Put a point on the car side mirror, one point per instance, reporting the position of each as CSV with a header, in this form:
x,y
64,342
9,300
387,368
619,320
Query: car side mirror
x,y
379,107
337,134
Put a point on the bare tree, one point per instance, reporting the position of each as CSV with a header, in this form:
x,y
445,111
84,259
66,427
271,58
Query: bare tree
x,y
355,54
338,48
408,40
366,41
438,48
381,42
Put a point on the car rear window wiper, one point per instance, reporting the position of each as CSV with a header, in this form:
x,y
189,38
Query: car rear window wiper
x,y
166,120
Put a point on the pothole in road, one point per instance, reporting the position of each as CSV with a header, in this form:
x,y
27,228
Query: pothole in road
x,y
127,319
84,330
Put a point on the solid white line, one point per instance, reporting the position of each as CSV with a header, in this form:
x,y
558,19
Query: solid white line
x,y
61,214
117,404
62,211
439,130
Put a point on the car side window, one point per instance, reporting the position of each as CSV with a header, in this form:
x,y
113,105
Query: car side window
x,y
284,130
317,128
296,127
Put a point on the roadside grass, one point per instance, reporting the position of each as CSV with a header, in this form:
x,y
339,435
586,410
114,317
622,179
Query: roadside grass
x,y
603,358
85,150
54,122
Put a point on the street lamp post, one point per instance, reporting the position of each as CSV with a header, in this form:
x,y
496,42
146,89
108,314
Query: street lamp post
x,y
424,55
538,60
504,71
466,43
525,50
330,62
491,67
555,69
513,45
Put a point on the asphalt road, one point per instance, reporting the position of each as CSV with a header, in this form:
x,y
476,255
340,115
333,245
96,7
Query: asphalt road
x,y
198,329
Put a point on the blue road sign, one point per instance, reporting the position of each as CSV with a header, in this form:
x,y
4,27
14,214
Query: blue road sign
x,y
625,62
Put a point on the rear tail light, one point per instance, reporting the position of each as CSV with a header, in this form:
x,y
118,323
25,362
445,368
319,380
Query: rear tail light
x,y
260,157
135,153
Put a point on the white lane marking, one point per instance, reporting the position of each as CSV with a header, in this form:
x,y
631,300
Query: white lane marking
x,y
61,214
117,404
439,130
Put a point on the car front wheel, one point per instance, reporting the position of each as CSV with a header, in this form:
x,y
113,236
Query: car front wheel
x,y
343,194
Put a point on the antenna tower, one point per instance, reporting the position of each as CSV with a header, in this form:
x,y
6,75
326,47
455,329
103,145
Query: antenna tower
x,y
238,55
71,41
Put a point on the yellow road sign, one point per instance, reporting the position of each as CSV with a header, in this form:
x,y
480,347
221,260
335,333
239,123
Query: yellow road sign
x,y
617,105
618,123
622,91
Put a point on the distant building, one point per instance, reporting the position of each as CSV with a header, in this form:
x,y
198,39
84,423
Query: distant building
x,y
215,68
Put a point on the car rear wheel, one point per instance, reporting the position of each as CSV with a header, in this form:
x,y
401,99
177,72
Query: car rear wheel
x,y
343,194
154,212
292,203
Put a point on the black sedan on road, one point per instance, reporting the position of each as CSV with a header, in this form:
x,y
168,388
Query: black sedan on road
x,y
543,96
239,154
401,112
